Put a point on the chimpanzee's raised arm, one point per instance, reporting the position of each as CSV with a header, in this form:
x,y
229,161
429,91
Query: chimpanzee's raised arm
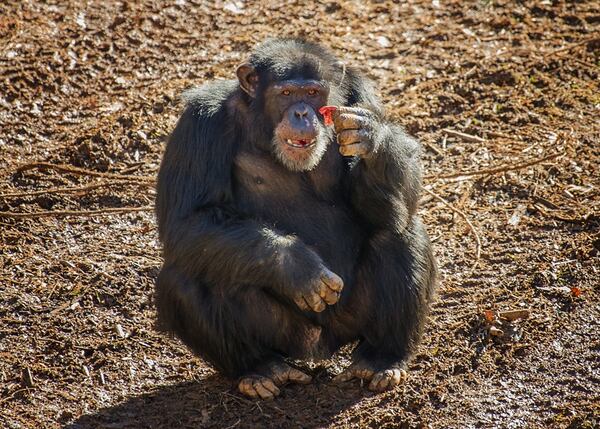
x,y
386,185
203,235
386,173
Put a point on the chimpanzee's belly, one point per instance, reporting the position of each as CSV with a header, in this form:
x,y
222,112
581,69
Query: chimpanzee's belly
x,y
308,205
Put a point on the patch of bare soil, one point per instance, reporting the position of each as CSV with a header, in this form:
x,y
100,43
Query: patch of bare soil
x,y
505,98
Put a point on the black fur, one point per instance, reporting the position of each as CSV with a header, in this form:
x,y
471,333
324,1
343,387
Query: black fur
x,y
240,231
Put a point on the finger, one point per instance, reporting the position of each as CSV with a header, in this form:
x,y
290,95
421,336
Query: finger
x,y
328,295
345,110
359,149
348,137
298,376
301,303
307,305
332,280
319,306
350,122
263,392
313,298
315,302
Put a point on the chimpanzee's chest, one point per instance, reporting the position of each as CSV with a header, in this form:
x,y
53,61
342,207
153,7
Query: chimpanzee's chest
x,y
312,205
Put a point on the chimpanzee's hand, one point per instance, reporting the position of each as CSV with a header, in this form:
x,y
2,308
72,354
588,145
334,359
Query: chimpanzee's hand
x,y
320,292
355,127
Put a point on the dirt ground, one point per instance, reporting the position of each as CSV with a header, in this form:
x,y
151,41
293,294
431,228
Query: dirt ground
x,y
90,90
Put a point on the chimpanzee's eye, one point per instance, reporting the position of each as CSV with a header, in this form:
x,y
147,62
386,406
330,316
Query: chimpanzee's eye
x,y
312,92
286,92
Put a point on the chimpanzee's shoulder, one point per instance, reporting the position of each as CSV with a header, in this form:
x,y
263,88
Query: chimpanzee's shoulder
x,y
360,91
210,98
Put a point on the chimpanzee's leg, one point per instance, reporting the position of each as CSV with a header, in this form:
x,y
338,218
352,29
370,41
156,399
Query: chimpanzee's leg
x,y
246,334
395,282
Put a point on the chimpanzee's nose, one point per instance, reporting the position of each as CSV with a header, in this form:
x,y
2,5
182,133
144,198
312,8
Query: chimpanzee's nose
x,y
302,118
300,112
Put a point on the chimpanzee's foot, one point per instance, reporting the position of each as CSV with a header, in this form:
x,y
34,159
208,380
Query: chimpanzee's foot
x,y
264,384
258,386
387,379
380,380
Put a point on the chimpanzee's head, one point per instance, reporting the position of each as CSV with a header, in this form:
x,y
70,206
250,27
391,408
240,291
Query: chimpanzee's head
x,y
288,81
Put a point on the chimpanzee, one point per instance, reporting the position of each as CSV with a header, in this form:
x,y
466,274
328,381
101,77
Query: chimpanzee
x,y
285,238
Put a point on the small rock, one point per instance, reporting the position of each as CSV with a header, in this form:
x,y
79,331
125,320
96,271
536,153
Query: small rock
x,y
496,332
384,42
158,108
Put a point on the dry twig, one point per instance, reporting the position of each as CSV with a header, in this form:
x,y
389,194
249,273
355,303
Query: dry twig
x,y
83,171
588,217
67,189
13,394
433,149
464,136
60,213
464,216
572,46
496,170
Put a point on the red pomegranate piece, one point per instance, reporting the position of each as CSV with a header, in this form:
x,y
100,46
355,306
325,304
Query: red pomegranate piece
x,y
327,112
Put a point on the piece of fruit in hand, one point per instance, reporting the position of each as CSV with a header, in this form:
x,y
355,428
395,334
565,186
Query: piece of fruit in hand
x,y
327,112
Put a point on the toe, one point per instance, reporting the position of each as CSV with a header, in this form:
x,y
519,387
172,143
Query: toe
x,y
270,386
354,372
260,388
279,374
298,376
364,373
246,388
388,379
400,376
343,377
283,373
381,381
376,381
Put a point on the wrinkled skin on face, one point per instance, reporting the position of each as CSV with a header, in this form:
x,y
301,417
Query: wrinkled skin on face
x,y
299,136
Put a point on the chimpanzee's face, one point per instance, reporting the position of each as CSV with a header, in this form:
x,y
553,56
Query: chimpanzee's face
x,y
299,136
289,106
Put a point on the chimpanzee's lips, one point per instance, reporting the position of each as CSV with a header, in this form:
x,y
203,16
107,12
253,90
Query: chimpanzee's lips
x,y
301,143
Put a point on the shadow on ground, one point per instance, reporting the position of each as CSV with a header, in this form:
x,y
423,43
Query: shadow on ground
x,y
213,402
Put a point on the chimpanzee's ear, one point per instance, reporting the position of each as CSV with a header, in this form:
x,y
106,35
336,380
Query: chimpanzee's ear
x,y
248,79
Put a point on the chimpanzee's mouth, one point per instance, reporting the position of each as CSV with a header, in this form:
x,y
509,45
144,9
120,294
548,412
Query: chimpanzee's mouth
x,y
301,143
